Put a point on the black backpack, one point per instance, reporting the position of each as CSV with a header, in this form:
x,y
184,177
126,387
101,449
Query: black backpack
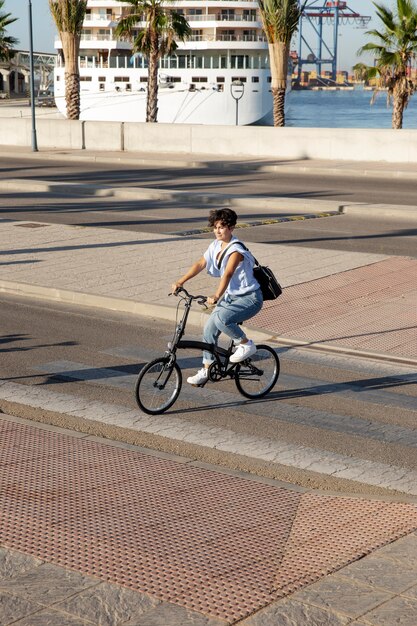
x,y
270,287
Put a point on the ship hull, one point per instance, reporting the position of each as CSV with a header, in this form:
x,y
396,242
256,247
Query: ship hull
x,y
177,104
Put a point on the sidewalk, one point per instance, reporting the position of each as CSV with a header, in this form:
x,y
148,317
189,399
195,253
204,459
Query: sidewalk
x,y
334,300
96,533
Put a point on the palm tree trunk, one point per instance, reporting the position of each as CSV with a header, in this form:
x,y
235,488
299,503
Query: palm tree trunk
x,y
278,56
279,106
399,104
70,48
152,99
72,95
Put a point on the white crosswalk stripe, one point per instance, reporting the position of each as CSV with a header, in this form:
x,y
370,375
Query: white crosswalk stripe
x,y
378,392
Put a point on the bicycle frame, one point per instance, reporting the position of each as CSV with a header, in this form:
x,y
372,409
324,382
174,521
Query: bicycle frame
x,y
189,344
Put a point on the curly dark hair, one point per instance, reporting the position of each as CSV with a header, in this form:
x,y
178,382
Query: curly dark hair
x,y
226,216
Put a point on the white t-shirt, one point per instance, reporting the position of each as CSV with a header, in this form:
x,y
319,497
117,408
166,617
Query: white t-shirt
x,y
243,280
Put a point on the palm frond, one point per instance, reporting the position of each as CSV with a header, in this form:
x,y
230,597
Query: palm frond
x,y
280,19
7,43
68,15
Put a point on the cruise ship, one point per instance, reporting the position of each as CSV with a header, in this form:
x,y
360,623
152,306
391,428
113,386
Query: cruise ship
x,y
220,75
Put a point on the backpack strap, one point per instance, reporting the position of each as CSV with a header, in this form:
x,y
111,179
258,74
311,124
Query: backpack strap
x,y
221,257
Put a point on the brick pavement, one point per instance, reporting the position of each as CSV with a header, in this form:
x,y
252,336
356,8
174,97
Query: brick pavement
x,y
97,533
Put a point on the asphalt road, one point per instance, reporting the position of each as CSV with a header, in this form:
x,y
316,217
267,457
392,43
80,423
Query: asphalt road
x,y
246,182
364,409
343,232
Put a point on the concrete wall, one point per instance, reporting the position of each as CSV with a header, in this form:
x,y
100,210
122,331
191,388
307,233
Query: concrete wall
x,y
249,141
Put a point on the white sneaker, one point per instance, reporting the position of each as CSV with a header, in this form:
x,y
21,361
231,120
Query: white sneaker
x,y
199,379
244,351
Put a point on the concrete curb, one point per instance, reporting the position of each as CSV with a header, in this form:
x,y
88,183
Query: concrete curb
x,y
335,171
168,313
405,212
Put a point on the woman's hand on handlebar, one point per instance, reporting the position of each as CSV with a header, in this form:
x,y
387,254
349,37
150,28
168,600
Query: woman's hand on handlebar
x,y
212,300
175,287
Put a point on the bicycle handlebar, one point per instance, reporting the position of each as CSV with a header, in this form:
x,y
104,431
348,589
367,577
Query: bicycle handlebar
x,y
200,298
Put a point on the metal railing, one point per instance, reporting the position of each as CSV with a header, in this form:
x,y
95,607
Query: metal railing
x,y
218,17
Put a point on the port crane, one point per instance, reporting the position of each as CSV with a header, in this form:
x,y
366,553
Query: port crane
x,y
325,18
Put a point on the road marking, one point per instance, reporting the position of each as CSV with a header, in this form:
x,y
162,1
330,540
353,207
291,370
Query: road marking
x,y
265,222
225,440
213,396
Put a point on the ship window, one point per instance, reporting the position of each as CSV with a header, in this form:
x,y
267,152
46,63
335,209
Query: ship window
x,y
58,78
143,79
199,79
269,79
223,62
220,79
220,87
255,79
121,79
86,78
242,79
195,12
249,15
102,79
191,87
239,61
182,62
102,86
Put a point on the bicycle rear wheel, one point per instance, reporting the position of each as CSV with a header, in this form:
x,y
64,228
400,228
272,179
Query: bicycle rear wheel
x,y
256,376
158,386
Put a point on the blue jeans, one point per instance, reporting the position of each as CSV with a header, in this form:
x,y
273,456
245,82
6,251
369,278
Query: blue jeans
x,y
229,312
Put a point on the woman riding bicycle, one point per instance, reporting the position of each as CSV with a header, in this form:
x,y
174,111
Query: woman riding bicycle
x,y
238,295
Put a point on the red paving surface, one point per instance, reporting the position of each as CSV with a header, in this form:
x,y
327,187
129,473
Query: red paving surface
x,y
371,308
214,543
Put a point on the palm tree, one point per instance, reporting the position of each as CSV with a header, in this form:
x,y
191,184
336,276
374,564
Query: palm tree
x,y
280,20
69,17
155,39
394,49
6,42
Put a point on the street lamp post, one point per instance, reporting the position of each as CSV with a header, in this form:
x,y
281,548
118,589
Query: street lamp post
x,y
237,89
32,82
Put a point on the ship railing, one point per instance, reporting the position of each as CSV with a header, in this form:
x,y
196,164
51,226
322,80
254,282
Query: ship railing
x,y
259,38
98,37
219,17
104,37
99,17
233,17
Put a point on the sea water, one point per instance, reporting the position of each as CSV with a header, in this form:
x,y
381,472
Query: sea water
x,y
344,109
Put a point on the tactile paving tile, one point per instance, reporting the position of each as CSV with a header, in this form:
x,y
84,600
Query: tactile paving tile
x,y
371,308
210,542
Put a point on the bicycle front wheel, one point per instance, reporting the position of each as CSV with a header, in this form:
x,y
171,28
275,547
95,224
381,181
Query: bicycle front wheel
x,y
256,376
158,386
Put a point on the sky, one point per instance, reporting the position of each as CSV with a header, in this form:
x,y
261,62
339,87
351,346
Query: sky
x,y
350,37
